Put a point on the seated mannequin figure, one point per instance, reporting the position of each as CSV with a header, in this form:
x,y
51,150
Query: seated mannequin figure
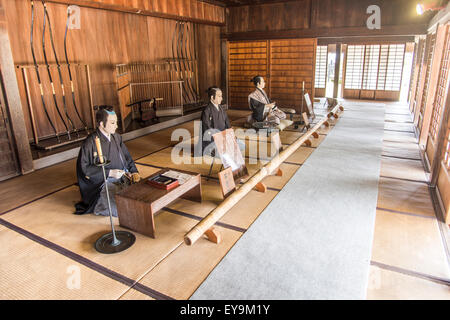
x,y
263,109
119,172
214,119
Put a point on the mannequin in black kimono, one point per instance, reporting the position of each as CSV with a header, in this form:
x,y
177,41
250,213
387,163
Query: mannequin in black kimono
x,y
214,119
120,171
262,107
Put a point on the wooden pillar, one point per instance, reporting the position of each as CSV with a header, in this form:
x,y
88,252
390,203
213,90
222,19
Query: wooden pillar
x,y
337,68
223,70
12,96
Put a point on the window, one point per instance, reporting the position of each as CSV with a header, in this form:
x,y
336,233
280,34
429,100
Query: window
x,y
354,67
321,66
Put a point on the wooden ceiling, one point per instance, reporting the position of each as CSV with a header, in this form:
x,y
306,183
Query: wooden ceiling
x,y
235,3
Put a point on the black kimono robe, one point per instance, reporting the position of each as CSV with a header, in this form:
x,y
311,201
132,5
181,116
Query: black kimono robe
x,y
257,101
90,176
213,118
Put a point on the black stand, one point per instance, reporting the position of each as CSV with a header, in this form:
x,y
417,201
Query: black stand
x,y
112,242
300,122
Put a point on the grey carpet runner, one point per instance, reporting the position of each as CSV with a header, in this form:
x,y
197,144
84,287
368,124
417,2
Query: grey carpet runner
x,y
314,240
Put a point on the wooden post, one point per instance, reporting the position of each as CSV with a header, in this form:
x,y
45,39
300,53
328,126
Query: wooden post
x,y
223,69
12,96
337,68
206,223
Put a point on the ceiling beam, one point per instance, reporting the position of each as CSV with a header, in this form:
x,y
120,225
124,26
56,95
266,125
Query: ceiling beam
x,y
134,10
401,30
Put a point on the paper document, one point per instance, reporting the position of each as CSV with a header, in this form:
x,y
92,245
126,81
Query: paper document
x,y
181,177
228,162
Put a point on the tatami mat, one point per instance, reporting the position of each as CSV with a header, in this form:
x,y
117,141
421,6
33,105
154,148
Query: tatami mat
x,y
300,155
241,215
401,150
32,271
407,137
396,117
405,196
390,285
23,189
133,294
58,224
396,126
180,274
409,242
402,169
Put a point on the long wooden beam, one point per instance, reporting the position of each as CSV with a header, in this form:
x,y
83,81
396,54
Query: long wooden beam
x,y
401,30
366,40
204,225
136,10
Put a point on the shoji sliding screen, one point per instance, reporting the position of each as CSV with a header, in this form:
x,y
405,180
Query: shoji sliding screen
x,y
374,71
321,71
439,100
424,93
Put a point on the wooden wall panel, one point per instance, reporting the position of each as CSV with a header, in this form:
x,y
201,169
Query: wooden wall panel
x,y
269,16
106,38
284,64
321,15
292,62
246,59
209,57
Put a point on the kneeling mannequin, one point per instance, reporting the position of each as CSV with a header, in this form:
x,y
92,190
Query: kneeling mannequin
x,y
119,172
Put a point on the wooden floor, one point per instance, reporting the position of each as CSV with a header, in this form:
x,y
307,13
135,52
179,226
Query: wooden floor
x,y
410,256
48,252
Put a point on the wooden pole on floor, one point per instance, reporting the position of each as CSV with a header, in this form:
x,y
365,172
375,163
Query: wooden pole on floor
x,y
206,224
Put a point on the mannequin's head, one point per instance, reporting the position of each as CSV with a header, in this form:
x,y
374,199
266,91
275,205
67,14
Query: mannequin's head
x,y
259,82
106,119
215,95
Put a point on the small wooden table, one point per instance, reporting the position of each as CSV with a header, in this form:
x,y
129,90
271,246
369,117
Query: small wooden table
x,y
138,203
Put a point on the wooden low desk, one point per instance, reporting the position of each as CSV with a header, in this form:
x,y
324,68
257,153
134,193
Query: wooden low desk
x,y
138,203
